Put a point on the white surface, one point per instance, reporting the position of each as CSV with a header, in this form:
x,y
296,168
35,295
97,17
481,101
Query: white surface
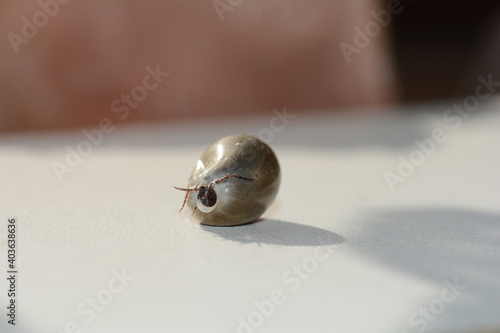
x,y
389,252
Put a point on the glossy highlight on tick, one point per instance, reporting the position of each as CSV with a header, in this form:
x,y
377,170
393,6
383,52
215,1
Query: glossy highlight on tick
x,y
233,183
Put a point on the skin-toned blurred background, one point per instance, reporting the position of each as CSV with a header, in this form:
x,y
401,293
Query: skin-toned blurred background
x,y
66,63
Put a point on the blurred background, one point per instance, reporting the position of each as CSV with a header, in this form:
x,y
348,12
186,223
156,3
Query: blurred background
x,y
71,63
205,69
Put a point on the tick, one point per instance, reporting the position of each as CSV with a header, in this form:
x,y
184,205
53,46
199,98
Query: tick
x,y
235,180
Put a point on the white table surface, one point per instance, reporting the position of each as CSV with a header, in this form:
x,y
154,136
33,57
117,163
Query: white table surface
x,y
387,253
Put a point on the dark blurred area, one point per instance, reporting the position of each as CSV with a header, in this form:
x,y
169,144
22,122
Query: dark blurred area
x,y
72,63
440,47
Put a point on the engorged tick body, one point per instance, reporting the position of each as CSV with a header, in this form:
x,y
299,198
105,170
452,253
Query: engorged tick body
x,y
234,182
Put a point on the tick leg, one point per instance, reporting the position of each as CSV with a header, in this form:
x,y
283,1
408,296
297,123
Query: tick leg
x,y
194,210
209,187
188,190
226,177
197,188
223,179
185,199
